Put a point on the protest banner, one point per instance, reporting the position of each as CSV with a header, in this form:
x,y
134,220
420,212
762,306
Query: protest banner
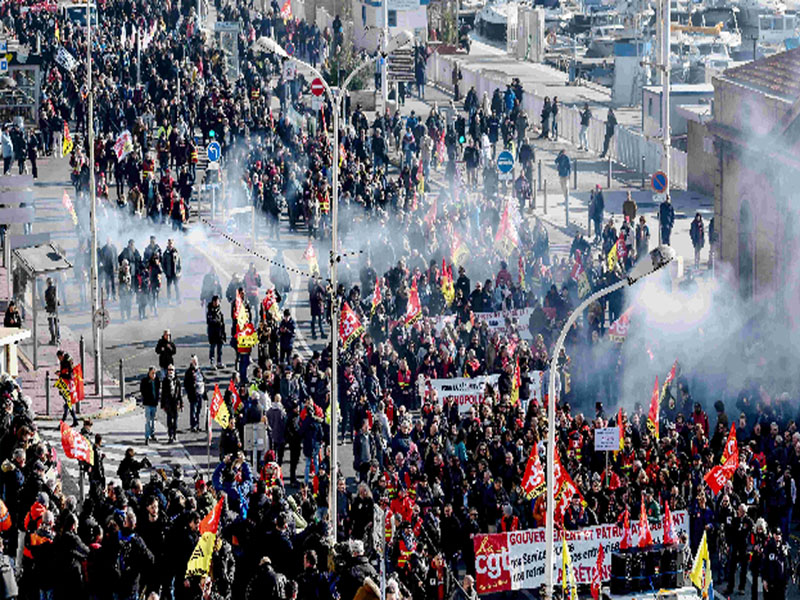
x,y
466,391
515,560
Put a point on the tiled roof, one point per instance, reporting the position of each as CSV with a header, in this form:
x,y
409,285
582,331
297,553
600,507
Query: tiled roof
x,y
778,75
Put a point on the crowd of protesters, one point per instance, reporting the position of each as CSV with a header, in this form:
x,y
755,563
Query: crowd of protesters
x,y
439,474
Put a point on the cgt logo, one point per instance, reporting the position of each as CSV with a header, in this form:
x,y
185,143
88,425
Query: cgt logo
x,y
492,563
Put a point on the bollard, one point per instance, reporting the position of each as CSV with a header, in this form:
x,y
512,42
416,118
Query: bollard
x,y
566,207
47,393
121,382
610,167
82,353
642,171
533,205
574,173
540,174
545,197
80,482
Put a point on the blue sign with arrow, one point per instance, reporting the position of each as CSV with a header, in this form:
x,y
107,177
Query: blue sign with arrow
x,y
213,151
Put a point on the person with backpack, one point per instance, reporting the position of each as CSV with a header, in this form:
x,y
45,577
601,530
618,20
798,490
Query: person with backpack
x,y
195,386
316,299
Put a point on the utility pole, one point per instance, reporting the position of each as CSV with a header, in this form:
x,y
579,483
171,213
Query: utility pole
x,y
384,56
665,87
98,376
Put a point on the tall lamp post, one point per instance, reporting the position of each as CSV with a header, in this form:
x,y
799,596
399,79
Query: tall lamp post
x,y
98,369
266,44
660,257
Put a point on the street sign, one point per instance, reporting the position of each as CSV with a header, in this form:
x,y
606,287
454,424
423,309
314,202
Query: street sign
x,y
3,65
659,182
213,151
226,26
606,439
290,49
102,318
289,70
317,87
4,46
505,161
316,103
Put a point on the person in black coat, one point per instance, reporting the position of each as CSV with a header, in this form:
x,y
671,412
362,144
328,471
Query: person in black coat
x,y
215,322
666,219
171,401
150,390
166,350
72,553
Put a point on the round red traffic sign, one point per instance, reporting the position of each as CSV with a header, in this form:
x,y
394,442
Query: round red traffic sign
x,y
317,87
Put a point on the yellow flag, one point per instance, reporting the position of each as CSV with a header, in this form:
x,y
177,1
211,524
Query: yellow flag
x,y
613,258
701,570
200,560
569,585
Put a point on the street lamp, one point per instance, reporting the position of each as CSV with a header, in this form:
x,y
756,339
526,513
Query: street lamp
x,y
266,44
659,258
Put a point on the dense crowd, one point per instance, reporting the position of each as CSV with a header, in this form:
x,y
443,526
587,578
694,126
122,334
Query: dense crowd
x,y
434,472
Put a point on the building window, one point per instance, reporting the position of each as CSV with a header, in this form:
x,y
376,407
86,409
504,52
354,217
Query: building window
x,y
649,107
392,18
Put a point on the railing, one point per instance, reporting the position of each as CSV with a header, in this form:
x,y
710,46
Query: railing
x,y
627,147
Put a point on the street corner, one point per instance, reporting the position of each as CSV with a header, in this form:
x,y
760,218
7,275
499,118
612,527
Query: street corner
x,y
98,414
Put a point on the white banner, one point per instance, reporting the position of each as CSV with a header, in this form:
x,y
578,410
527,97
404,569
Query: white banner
x,y
466,391
65,59
497,320
516,560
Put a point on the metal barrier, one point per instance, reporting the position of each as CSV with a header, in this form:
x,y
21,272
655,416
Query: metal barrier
x,y
626,147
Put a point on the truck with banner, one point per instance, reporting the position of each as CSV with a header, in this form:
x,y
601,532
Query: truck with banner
x,y
515,560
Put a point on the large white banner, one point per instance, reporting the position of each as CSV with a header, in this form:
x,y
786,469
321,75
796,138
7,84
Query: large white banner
x,y
497,320
516,560
466,391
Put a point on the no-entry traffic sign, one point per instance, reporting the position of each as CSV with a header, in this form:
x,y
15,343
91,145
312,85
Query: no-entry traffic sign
x,y
317,87
659,182
505,161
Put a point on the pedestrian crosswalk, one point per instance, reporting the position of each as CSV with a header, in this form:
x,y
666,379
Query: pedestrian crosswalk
x,y
118,435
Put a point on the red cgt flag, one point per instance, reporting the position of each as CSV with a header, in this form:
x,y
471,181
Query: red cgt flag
x,y
414,307
669,530
653,414
534,479
350,326
625,542
236,399
597,576
75,445
645,535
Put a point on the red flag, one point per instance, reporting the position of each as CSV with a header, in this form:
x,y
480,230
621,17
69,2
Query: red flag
x,y
414,308
533,482
619,328
430,217
211,521
75,445
653,414
376,294
218,409
621,430
667,526
597,576
236,399
565,490
577,266
668,381
645,535
625,542
731,446
286,9
721,474
349,326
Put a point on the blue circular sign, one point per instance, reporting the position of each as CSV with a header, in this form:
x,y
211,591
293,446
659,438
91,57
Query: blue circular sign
x,y
505,161
213,151
659,182
290,49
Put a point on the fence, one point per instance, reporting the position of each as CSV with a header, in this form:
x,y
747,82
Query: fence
x,y
627,147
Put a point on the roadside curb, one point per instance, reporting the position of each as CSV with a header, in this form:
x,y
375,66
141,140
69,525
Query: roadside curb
x,y
106,413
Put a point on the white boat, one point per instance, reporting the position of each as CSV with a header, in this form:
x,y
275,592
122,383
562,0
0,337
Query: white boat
x,y
491,21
